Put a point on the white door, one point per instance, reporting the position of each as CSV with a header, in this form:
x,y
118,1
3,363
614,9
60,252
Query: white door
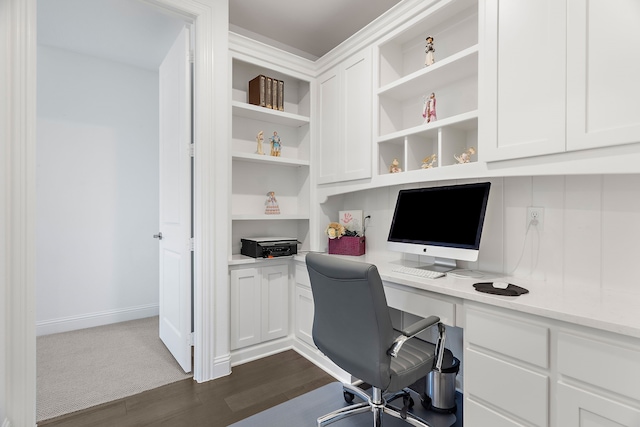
x,y
175,201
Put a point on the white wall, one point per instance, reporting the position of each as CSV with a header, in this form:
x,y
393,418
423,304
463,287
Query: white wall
x,y
97,191
589,238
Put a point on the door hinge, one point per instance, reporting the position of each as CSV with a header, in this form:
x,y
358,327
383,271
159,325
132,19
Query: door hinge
x,y
190,339
192,150
192,56
192,244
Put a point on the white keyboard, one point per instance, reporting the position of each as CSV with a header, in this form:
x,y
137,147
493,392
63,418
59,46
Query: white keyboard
x,y
419,272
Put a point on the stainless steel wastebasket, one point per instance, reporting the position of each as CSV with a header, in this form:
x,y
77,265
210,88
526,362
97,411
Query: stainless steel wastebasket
x,y
441,387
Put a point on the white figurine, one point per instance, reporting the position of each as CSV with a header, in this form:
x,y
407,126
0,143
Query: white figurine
x,y
466,156
259,139
427,162
272,207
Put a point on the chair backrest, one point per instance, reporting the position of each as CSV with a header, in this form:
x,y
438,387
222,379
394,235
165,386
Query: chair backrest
x,y
351,324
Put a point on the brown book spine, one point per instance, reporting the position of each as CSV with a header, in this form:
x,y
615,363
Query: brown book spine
x,y
280,95
268,93
257,91
274,94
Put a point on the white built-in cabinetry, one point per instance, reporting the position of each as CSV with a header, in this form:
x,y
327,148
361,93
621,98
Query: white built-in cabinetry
x,y
259,304
344,120
254,175
403,82
556,76
527,370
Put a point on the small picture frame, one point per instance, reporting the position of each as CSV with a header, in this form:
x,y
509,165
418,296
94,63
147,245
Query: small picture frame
x,y
352,220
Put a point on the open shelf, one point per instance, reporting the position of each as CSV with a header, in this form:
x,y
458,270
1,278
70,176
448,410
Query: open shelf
x,y
254,112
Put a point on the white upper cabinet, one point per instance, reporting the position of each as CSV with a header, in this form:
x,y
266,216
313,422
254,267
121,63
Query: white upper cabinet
x,y
344,129
603,88
557,76
522,78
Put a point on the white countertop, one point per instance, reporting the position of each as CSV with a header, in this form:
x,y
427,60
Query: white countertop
x,y
601,309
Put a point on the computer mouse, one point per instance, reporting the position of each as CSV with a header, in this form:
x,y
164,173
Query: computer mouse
x,y
500,285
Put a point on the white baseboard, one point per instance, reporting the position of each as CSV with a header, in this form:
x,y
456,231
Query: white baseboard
x,y
258,351
321,361
90,320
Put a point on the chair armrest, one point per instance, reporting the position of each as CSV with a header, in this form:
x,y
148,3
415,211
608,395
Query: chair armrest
x,y
410,332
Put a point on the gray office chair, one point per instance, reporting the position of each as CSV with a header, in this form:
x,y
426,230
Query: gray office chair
x,y
352,327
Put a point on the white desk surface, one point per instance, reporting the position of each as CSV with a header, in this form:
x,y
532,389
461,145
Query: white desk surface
x,y
601,309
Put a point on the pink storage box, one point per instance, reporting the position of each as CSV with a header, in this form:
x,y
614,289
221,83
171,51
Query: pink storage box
x,y
347,246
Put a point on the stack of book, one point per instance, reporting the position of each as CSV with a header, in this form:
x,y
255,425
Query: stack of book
x,y
267,92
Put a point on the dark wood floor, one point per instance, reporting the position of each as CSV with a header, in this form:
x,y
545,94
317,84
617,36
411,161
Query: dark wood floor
x,y
251,388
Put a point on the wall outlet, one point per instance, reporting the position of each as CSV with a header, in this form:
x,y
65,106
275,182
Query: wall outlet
x,y
535,216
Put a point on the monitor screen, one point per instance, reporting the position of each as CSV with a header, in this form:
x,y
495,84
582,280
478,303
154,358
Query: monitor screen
x,y
442,221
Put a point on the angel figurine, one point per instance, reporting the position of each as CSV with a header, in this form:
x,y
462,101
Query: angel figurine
x,y
429,50
466,156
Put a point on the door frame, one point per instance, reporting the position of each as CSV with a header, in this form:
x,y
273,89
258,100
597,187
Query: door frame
x,y
18,202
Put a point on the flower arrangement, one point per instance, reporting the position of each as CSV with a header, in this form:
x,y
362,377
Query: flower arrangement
x,y
335,230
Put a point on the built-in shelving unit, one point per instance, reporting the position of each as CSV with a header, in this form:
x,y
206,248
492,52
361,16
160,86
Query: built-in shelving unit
x,y
253,175
405,82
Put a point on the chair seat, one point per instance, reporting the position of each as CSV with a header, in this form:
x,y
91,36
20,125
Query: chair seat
x,y
410,364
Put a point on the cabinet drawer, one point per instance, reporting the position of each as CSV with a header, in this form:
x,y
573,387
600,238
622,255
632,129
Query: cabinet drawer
x,y
512,337
607,365
476,415
302,275
421,305
519,391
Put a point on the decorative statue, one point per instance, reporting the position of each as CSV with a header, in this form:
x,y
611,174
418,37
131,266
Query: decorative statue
x,y
466,156
272,207
259,139
275,145
429,108
427,162
395,166
429,50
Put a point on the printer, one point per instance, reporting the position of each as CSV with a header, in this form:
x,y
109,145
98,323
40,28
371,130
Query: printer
x,y
268,247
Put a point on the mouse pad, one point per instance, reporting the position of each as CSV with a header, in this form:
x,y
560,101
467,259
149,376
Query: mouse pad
x,y
511,290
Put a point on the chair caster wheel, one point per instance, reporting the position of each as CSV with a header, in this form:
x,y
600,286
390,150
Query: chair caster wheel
x,y
348,396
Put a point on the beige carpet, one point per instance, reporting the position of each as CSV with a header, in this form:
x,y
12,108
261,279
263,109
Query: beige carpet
x,y
80,369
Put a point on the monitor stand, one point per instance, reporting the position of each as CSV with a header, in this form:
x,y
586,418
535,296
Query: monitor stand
x,y
441,265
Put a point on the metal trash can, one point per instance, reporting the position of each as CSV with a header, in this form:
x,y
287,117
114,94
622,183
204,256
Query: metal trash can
x,y
441,388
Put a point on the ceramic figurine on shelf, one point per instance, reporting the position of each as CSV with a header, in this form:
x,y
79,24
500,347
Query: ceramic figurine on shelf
x,y
395,166
275,145
427,162
429,50
272,207
259,139
429,108
466,156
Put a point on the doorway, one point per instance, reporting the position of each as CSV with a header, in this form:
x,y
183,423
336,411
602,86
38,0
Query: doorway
x,y
97,161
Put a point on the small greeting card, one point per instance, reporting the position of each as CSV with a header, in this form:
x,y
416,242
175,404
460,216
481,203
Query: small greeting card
x,y
352,221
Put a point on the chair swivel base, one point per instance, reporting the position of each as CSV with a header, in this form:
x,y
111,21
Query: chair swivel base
x,y
376,404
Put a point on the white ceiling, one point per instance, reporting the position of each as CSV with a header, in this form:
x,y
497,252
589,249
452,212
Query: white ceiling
x,y
136,33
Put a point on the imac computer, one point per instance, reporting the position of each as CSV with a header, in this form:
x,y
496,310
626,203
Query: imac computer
x,y
442,222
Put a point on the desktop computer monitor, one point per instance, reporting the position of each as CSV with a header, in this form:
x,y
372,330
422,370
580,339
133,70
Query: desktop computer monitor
x,y
442,222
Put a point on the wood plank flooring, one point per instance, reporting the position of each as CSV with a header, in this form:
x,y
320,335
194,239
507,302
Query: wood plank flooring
x,y
251,388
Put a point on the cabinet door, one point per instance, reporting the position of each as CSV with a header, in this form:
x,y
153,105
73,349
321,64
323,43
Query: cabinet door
x,y
522,73
304,314
581,408
603,68
275,302
328,126
245,307
356,135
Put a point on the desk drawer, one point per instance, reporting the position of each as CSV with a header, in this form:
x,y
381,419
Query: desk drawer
x,y
609,365
507,335
421,305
